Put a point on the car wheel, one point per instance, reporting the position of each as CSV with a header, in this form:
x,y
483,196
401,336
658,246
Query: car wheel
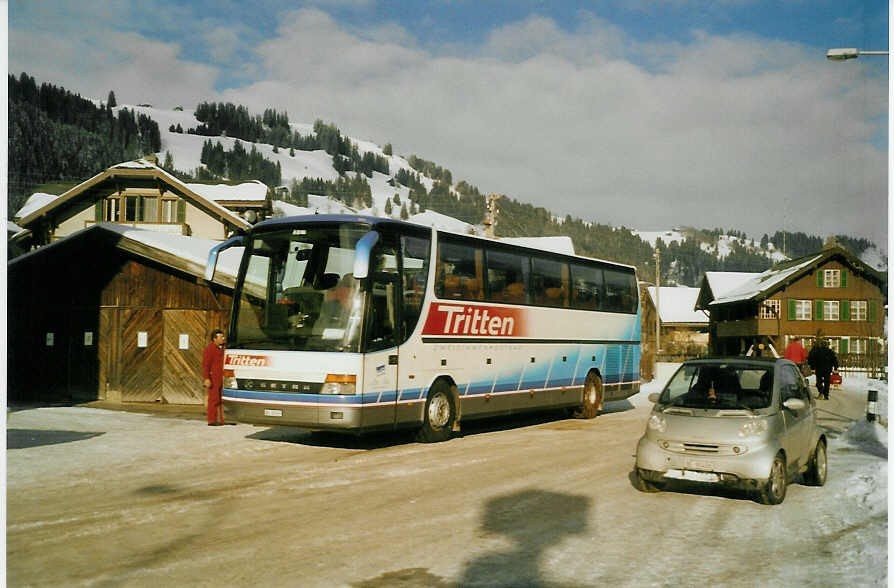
x,y
817,468
592,402
773,491
440,414
642,484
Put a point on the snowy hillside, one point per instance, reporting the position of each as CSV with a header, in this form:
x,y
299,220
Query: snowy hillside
x,y
186,150
872,257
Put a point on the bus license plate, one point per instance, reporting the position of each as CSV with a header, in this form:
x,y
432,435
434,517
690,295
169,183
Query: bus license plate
x,y
692,476
272,412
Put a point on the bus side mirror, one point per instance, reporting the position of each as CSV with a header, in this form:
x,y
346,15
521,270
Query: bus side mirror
x,y
363,254
215,253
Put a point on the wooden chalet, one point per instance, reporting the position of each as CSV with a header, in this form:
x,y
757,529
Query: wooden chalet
x,y
830,294
141,194
113,313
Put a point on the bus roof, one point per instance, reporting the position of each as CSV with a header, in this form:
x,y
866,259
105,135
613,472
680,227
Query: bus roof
x,y
379,221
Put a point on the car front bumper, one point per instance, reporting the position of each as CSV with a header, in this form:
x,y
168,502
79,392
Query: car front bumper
x,y
659,464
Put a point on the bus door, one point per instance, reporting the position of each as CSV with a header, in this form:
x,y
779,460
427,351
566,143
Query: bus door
x,y
380,360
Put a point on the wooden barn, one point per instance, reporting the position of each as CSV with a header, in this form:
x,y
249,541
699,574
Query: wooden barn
x,y
113,313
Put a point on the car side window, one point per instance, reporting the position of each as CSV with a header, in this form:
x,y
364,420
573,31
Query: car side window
x,y
791,384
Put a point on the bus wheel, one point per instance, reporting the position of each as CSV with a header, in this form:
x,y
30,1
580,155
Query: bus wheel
x,y
592,403
440,414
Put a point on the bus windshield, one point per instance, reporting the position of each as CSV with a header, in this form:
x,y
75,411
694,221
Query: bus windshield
x,y
297,290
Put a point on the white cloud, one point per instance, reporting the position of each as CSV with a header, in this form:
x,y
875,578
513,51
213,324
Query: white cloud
x,y
138,69
735,132
731,132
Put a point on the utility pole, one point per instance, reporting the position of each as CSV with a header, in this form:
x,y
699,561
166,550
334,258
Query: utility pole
x,y
490,215
657,295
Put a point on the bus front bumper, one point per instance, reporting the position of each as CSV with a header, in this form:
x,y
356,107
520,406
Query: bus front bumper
x,y
310,416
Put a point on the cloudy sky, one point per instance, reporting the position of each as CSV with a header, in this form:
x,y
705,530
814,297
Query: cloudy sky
x,y
642,113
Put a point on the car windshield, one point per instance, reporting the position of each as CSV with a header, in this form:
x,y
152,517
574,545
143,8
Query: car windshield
x,y
719,386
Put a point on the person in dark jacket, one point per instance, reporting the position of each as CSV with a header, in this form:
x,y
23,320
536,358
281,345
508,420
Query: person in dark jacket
x,y
823,361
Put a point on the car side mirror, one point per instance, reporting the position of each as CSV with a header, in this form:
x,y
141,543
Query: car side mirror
x,y
653,397
795,404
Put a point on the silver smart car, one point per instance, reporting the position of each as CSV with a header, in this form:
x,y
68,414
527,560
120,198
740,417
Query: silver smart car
x,y
746,422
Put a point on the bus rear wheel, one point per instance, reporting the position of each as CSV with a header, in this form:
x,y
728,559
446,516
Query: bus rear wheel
x,y
592,402
440,414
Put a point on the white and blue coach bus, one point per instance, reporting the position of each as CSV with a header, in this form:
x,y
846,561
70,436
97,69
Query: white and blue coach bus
x,y
356,323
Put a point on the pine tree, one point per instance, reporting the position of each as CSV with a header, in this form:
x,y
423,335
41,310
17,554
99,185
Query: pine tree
x,y
111,102
404,215
388,208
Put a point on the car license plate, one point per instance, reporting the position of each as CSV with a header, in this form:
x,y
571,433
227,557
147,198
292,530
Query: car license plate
x,y
692,475
272,412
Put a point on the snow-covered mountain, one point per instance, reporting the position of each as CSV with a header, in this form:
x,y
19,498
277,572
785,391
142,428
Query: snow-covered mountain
x,y
186,151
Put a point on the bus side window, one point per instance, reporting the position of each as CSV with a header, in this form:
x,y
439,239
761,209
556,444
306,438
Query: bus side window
x,y
382,325
507,277
588,286
458,274
547,282
415,251
620,291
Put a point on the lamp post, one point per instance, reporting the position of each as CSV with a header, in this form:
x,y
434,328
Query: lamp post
x,y
841,54
657,297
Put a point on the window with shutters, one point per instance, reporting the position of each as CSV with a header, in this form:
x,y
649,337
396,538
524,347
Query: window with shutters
x,y
141,209
830,310
831,278
801,310
770,309
859,310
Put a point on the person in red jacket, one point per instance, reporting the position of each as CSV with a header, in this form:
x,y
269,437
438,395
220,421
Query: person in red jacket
x,y
212,374
795,352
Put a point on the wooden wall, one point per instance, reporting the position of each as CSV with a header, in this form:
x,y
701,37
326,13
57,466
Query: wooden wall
x,y
96,300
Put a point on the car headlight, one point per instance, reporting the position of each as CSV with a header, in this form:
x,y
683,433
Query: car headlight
x,y
753,428
657,423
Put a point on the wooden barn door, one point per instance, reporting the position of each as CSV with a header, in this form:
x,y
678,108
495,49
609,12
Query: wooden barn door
x,y
141,366
181,378
83,358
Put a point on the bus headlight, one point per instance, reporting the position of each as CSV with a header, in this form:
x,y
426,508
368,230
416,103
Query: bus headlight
x,y
229,380
339,384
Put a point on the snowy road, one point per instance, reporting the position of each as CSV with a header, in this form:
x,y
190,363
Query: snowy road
x,y
104,498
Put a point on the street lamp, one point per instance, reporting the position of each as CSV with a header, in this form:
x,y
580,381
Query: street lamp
x,y
841,54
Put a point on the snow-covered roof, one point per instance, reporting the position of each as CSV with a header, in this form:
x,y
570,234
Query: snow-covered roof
x,y
757,283
35,202
253,191
723,282
677,305
189,254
